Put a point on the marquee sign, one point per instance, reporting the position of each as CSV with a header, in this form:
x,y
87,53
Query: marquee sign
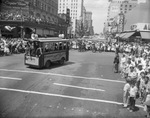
x,y
141,26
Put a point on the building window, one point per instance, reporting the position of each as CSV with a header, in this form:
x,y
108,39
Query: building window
x,y
125,5
130,6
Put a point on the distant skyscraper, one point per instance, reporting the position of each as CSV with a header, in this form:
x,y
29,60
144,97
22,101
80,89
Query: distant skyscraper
x,y
88,23
76,9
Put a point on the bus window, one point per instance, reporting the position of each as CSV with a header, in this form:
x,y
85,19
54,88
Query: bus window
x,y
65,45
52,46
60,46
46,48
56,46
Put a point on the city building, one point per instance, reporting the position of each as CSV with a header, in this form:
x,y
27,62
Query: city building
x,y
116,12
118,6
76,10
24,17
88,23
137,28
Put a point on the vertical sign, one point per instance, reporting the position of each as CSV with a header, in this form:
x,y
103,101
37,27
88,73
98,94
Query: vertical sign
x,y
121,23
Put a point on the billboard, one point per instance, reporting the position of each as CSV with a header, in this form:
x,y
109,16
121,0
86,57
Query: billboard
x,y
141,26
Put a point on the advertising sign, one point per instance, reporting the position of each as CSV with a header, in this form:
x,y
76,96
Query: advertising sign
x,y
141,26
32,60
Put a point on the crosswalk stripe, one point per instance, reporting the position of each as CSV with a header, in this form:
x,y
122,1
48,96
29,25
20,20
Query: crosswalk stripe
x,y
65,85
64,96
10,78
62,75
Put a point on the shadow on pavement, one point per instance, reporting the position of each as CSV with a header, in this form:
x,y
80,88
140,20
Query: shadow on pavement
x,y
53,66
136,109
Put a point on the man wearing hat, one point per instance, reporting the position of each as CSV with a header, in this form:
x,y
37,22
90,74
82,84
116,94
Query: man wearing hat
x,y
132,73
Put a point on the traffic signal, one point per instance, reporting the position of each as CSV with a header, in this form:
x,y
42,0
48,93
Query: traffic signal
x,y
68,16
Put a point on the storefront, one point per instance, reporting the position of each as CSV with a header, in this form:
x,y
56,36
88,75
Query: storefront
x,y
138,32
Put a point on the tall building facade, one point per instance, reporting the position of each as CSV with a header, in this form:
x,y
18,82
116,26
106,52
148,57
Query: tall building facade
x,y
76,10
88,23
118,6
116,15
27,15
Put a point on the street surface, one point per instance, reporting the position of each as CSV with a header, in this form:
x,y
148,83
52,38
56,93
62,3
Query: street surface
x,y
85,87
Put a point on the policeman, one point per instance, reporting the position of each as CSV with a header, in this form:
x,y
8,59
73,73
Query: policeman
x,y
116,63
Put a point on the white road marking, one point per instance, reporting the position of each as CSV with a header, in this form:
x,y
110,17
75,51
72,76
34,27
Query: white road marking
x,y
64,96
11,78
69,76
94,89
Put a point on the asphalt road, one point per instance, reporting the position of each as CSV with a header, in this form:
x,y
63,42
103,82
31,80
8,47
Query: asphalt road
x,y
85,87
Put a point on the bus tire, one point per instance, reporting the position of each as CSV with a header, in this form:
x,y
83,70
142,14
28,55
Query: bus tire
x,y
48,64
62,61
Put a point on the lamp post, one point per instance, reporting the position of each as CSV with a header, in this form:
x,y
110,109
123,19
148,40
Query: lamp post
x,y
22,35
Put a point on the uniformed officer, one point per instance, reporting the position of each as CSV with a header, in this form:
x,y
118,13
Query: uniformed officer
x,y
116,63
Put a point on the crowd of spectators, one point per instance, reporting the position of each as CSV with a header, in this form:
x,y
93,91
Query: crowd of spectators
x,y
104,46
135,69
10,46
18,16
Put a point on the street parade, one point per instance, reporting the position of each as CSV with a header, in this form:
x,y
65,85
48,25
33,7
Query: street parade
x,y
74,59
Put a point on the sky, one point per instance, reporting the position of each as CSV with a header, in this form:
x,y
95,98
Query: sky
x,y
99,9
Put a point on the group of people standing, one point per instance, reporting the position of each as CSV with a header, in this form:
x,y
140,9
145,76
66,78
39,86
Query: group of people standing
x,y
11,46
134,67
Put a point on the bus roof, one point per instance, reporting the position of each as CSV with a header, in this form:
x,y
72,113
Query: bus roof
x,y
51,39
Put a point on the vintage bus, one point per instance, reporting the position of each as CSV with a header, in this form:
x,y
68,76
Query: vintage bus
x,y
43,52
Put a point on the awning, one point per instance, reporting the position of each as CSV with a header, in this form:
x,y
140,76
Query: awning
x,y
121,35
129,34
145,35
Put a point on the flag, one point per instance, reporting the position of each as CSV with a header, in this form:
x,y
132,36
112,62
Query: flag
x,y
9,28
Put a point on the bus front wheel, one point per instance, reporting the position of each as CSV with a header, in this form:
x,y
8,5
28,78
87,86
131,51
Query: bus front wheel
x,y
62,61
48,64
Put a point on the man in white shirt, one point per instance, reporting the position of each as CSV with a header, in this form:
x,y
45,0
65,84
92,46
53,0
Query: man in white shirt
x,y
132,98
126,92
133,74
